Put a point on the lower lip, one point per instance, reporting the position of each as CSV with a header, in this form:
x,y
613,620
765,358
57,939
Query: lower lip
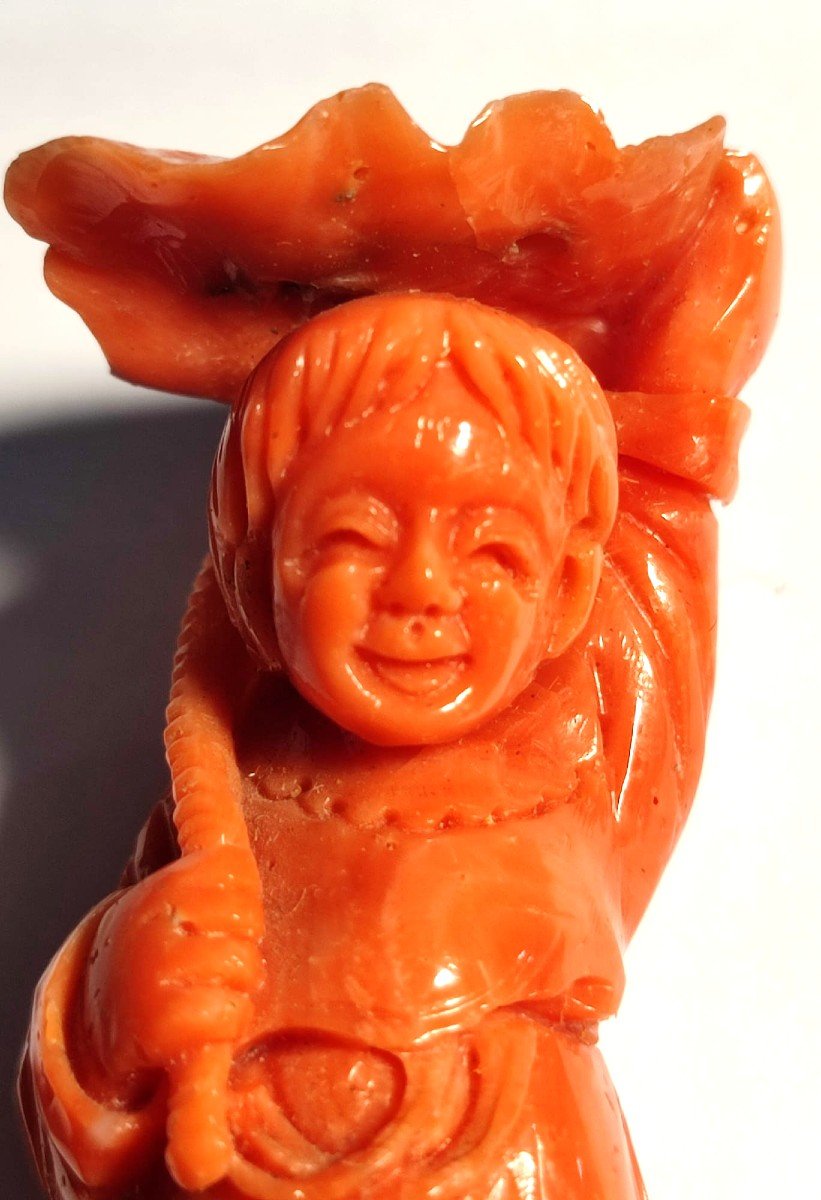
x,y
416,678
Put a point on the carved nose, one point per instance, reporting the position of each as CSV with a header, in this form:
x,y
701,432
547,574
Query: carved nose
x,y
420,584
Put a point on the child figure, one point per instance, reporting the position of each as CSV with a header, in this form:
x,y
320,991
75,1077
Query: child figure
x,y
435,726
440,697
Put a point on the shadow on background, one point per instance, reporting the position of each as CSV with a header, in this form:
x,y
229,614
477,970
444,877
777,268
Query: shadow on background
x,y
106,518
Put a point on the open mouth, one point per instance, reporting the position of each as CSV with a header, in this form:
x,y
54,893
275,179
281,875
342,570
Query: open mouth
x,y
416,677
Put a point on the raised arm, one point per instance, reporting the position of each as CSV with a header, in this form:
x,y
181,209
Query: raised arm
x,y
695,339
652,637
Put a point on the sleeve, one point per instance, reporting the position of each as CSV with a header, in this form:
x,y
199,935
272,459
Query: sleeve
x,y
73,1127
82,1138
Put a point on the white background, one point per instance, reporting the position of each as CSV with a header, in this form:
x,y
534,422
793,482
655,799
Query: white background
x,y
716,1053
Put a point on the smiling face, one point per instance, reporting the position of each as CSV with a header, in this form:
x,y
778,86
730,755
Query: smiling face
x,y
413,560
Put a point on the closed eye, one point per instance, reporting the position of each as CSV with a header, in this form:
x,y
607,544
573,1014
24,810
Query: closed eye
x,y
353,522
347,539
509,558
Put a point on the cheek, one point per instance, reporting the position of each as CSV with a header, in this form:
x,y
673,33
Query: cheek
x,y
503,625
333,610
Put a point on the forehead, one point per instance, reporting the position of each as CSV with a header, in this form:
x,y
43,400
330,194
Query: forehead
x,y
444,446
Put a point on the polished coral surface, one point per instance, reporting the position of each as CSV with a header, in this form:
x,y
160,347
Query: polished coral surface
x,y
440,697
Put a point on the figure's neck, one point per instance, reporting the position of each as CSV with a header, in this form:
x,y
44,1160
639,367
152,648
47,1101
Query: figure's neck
x,y
291,751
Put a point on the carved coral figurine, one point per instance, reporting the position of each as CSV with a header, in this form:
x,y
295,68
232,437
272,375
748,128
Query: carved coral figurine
x,y
440,696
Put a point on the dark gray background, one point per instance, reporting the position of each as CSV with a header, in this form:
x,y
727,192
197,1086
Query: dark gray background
x,y
109,517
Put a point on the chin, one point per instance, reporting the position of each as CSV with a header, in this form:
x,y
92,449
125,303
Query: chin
x,y
425,728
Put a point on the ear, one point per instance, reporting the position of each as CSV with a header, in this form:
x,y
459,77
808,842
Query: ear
x,y
578,584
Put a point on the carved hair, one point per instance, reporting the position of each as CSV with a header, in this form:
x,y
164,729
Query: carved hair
x,y
377,354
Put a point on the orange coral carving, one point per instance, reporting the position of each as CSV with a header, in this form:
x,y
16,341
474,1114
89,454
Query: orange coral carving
x,y
440,698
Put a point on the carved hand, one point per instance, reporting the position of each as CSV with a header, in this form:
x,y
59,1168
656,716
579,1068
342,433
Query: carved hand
x,y
176,963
